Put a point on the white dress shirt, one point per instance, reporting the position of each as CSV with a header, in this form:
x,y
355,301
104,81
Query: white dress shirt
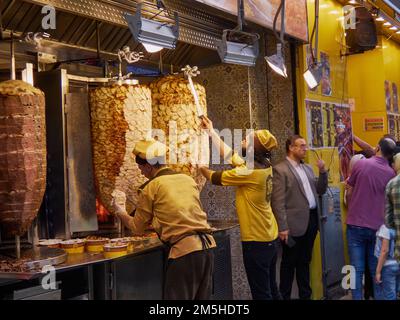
x,y
306,183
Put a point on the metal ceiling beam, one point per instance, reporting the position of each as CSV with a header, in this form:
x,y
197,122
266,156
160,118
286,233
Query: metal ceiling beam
x,y
196,26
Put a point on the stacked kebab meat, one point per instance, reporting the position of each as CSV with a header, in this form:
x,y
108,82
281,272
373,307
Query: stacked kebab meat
x,y
120,116
22,155
175,114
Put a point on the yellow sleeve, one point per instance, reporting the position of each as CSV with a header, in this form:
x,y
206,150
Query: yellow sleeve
x,y
233,158
144,212
236,160
238,176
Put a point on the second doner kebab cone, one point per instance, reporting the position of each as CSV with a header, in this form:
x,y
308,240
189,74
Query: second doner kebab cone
x,y
175,112
120,116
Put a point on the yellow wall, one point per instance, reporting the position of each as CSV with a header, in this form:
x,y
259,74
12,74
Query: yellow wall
x,y
358,76
331,41
391,61
366,85
367,73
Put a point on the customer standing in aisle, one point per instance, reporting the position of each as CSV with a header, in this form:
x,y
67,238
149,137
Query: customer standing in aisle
x,y
258,226
366,202
171,203
388,269
295,205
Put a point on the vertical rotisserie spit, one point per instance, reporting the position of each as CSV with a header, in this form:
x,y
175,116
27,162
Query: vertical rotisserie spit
x,y
120,116
22,155
175,112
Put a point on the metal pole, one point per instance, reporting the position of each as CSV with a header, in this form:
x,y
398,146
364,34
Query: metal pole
x,y
161,66
240,15
250,98
317,26
98,39
12,51
283,22
18,247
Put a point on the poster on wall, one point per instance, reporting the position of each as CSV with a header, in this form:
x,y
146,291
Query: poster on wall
x,y
388,98
315,124
392,125
329,126
326,87
395,98
397,135
263,13
344,138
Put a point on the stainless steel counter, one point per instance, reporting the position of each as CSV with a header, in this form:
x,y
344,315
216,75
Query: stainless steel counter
x,y
85,259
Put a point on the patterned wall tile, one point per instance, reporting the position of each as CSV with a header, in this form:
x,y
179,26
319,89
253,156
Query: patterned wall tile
x,y
228,107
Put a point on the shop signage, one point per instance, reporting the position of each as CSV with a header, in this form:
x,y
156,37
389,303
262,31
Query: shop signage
x,y
263,12
374,124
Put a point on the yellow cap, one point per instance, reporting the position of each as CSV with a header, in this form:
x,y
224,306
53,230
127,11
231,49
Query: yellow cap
x,y
267,139
150,149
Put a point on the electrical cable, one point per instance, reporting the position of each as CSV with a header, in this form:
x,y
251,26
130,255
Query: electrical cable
x,y
276,19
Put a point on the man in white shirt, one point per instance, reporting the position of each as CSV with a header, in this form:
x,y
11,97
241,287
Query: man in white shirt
x,y
295,205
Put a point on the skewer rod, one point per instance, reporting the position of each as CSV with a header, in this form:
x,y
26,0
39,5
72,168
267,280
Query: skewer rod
x,y
18,247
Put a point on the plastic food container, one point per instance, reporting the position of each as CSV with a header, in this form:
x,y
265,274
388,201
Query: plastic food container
x,y
137,242
115,250
127,240
96,245
50,243
149,237
73,246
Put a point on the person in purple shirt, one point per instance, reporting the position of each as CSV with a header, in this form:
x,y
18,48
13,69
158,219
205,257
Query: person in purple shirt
x,y
366,206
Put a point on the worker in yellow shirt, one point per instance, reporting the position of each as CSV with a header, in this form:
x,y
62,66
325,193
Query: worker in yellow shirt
x,y
258,227
171,203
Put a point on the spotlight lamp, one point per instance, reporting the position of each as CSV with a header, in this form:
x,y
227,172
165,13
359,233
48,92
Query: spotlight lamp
x,y
237,46
277,61
240,53
313,75
154,35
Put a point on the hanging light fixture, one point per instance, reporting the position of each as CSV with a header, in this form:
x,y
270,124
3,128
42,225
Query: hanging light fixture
x,y
237,46
277,61
313,75
154,35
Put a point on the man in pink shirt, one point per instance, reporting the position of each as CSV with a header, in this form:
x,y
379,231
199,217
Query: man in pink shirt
x,y
366,199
